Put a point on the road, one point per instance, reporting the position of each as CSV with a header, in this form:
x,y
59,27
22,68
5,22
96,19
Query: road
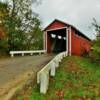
x,y
12,68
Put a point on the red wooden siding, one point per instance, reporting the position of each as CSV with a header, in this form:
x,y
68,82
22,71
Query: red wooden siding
x,y
55,25
78,44
48,44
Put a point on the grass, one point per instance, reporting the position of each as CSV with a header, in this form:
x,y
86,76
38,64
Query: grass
x,y
76,79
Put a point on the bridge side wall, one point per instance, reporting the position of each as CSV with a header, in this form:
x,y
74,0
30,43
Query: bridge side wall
x,y
79,45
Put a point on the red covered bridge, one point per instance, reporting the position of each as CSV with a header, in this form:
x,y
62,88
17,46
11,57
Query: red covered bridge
x,y
60,36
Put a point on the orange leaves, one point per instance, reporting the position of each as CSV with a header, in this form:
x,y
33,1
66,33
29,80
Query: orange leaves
x,y
59,94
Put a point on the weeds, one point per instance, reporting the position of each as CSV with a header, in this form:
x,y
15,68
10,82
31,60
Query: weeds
x,y
76,79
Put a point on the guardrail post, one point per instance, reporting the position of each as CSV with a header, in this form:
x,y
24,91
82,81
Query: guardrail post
x,y
22,54
64,54
12,55
31,54
56,62
39,53
52,69
44,82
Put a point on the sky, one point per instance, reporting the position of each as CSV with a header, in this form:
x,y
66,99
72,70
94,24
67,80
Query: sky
x,y
79,13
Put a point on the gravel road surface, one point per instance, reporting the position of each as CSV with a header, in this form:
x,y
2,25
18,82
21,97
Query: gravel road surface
x,y
11,68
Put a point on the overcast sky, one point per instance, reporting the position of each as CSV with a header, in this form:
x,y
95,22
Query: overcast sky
x,y
76,12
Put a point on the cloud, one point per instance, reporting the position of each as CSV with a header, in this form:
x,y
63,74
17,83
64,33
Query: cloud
x,y
76,12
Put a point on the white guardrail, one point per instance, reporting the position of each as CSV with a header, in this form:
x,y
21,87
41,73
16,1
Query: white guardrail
x,y
50,68
12,53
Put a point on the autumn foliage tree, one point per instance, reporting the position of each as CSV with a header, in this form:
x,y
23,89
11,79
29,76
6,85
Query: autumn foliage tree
x,y
3,39
21,24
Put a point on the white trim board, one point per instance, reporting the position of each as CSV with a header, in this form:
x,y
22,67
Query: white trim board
x,y
70,39
56,29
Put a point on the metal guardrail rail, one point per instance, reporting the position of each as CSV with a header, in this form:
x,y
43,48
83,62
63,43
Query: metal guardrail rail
x,y
49,70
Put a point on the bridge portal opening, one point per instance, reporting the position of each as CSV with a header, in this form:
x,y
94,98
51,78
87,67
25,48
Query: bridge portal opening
x,y
56,41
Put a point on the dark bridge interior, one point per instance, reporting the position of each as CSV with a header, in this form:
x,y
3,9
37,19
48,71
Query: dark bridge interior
x,y
57,40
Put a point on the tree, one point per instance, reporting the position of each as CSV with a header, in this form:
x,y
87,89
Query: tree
x,y
95,54
21,24
96,26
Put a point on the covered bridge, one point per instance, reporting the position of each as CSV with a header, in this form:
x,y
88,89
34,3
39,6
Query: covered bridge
x,y
60,36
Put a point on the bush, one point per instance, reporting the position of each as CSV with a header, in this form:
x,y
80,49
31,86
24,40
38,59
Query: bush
x,y
85,53
95,53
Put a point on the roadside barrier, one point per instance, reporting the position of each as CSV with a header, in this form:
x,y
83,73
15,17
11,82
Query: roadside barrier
x,y
49,70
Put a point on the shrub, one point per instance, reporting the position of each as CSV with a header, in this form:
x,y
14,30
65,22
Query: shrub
x,y
95,53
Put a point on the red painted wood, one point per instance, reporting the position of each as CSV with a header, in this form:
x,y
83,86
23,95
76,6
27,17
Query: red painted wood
x,y
56,25
48,44
78,44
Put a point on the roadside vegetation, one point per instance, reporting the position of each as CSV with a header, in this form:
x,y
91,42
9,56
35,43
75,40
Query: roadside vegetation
x,y
95,53
20,26
76,79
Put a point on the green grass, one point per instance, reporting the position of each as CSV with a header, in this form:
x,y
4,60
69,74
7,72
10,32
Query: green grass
x,y
76,79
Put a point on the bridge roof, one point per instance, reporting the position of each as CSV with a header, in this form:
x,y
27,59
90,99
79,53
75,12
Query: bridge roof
x,y
69,25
